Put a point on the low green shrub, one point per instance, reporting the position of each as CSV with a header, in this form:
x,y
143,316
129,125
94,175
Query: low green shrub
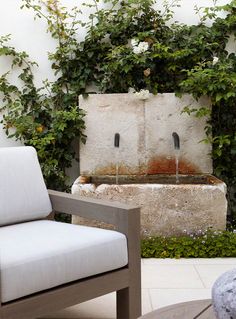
x,y
207,244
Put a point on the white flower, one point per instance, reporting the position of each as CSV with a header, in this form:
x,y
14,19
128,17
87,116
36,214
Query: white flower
x,y
136,50
142,94
143,46
215,60
139,47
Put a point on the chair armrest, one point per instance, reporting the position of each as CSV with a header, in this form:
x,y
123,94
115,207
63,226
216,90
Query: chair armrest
x,y
118,214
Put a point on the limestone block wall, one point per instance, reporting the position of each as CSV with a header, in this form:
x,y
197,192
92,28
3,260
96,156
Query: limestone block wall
x,y
145,128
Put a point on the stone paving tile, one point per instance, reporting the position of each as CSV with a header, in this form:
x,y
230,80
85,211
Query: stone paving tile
x,y
170,276
209,273
146,301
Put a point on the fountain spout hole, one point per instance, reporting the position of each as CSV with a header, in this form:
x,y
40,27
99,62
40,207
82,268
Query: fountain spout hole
x,y
117,140
117,145
176,140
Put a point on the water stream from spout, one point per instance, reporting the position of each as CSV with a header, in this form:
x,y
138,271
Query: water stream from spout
x,y
117,172
117,160
177,166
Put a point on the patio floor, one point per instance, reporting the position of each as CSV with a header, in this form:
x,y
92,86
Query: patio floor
x,y
164,282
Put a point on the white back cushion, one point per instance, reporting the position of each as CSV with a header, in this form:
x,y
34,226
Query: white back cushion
x,y
23,193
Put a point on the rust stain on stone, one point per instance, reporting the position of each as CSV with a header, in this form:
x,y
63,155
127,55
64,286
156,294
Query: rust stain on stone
x,y
163,165
156,165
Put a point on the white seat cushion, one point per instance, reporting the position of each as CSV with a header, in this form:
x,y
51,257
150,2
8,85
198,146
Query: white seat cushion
x,y
23,194
38,255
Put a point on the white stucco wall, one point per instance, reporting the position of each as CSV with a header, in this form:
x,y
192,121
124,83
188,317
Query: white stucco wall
x,y
31,36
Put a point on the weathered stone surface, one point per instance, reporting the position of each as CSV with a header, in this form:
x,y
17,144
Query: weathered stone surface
x,y
145,128
108,114
163,117
168,209
223,295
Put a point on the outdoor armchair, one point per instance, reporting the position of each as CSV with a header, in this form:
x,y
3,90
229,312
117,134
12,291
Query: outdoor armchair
x,y
45,265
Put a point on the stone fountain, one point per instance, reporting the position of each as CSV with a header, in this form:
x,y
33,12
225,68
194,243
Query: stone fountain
x,y
132,155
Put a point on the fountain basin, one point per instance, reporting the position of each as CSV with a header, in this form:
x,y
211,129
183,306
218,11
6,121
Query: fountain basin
x,y
198,202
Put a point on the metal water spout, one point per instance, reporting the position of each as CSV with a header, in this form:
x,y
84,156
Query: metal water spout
x,y
117,140
117,145
176,141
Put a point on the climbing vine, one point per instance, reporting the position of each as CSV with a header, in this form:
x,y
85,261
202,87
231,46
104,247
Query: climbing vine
x,y
217,80
47,118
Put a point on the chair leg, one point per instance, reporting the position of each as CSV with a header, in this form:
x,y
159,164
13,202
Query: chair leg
x,y
128,303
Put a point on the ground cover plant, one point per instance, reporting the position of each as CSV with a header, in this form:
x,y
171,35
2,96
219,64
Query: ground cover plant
x,y
208,244
129,46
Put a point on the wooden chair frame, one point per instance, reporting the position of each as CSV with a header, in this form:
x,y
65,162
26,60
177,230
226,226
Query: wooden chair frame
x,y
125,281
